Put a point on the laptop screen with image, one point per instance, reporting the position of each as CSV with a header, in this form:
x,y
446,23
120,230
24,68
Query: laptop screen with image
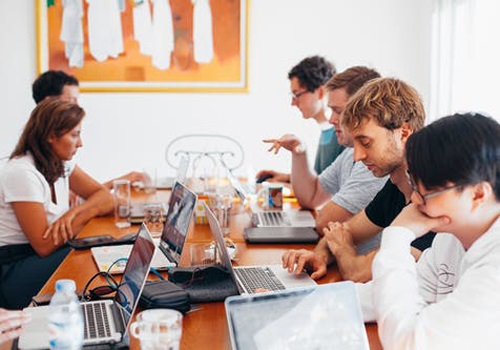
x,y
178,218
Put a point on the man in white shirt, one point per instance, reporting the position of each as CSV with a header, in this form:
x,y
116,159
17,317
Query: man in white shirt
x,y
450,299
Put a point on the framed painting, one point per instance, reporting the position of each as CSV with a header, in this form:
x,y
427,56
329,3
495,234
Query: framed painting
x,y
146,45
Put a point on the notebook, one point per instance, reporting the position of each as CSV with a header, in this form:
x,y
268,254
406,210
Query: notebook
x,y
116,314
171,243
322,317
168,182
249,279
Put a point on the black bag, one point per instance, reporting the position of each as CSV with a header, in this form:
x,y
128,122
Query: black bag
x,y
164,295
204,283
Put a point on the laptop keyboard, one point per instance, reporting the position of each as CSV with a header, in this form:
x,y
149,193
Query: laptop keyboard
x,y
272,218
95,320
259,277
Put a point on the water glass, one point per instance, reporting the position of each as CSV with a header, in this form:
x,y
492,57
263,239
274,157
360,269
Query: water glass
x,y
153,218
220,204
150,177
121,196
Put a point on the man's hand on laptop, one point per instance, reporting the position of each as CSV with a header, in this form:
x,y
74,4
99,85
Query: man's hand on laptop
x,y
297,261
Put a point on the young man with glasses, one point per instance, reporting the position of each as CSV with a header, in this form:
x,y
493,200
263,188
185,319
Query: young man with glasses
x,y
450,298
307,91
379,117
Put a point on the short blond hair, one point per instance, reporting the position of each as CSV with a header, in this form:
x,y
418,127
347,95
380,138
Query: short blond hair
x,y
389,101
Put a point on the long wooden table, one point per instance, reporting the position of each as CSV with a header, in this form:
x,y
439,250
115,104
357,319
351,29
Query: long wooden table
x,y
205,328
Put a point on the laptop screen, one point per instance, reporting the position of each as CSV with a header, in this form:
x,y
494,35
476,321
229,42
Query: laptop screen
x,y
178,218
220,245
323,317
136,272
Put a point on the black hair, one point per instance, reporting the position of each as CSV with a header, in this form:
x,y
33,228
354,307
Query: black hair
x,y
51,83
463,149
313,72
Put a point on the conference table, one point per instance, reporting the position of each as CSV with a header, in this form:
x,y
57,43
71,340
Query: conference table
x,y
206,327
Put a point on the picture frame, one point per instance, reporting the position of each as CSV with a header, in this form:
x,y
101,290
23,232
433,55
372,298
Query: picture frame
x,y
217,62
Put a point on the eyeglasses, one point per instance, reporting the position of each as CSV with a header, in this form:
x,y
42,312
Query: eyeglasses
x,y
296,95
423,197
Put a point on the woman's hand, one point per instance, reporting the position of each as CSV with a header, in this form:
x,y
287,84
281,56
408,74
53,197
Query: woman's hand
x,y
62,229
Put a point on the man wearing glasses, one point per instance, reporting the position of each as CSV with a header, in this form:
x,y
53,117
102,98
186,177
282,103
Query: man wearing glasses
x,y
307,92
379,117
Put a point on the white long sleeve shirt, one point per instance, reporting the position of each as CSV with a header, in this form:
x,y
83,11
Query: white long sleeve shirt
x,y
450,299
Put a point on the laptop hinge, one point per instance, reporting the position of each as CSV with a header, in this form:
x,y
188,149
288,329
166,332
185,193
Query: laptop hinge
x,y
118,318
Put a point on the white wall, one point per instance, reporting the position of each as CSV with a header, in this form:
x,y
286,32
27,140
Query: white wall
x,y
392,36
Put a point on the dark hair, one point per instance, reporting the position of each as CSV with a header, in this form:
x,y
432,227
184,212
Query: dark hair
x,y
312,72
352,79
51,117
390,102
463,149
51,83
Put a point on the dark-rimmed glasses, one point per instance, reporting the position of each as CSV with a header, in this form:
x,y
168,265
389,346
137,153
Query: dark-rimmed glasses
x,y
423,197
296,95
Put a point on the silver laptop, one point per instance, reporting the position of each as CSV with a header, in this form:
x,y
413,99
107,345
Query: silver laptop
x,y
105,321
249,279
322,317
168,182
276,226
175,229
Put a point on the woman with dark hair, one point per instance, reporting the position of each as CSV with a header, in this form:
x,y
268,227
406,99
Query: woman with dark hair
x,y
450,299
35,218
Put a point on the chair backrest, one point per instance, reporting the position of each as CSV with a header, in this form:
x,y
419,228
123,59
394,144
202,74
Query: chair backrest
x,y
205,150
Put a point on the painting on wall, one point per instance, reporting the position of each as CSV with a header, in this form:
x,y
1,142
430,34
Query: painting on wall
x,y
146,45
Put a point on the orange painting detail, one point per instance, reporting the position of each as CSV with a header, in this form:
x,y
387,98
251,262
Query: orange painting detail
x,y
228,65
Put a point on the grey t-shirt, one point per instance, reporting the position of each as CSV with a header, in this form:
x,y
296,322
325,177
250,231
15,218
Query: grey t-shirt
x,y
351,183
352,187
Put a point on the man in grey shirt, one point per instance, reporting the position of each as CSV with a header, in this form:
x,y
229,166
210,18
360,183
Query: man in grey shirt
x,y
346,186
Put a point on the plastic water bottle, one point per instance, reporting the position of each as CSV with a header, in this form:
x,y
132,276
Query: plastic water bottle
x,y
65,319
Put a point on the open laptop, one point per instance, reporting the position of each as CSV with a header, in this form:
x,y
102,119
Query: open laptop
x,y
322,317
175,229
168,182
105,321
276,226
249,279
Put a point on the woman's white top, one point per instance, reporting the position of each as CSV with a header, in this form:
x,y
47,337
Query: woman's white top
x,y
20,181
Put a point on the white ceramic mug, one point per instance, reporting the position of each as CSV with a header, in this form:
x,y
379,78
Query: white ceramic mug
x,y
158,329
